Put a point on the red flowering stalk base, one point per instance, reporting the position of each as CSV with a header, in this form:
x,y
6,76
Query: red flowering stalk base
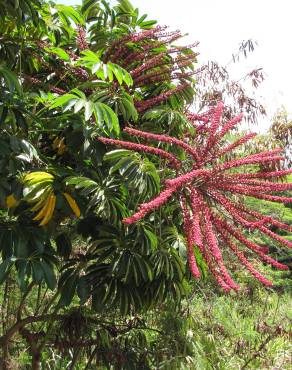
x,y
204,185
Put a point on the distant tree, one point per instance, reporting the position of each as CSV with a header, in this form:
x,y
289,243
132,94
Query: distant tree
x,y
281,131
214,84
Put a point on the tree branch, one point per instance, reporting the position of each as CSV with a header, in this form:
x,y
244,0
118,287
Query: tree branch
x,y
28,320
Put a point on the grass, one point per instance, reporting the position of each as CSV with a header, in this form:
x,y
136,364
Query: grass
x,y
250,331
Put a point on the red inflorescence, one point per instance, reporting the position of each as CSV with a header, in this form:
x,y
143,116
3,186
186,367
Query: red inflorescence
x,y
131,38
151,58
81,38
143,148
212,217
143,105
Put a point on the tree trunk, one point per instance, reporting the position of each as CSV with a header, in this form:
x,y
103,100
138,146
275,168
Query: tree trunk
x,y
36,361
4,359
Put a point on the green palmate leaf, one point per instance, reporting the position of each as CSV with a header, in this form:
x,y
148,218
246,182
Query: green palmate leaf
x,y
37,271
4,269
64,245
151,238
80,181
126,6
89,107
49,275
21,267
124,106
79,105
3,114
147,24
96,67
104,114
104,71
142,18
120,73
62,100
201,262
106,7
116,154
37,191
137,172
79,93
88,187
10,79
82,290
88,4
68,290
105,117
165,116
129,108
88,58
68,14
60,52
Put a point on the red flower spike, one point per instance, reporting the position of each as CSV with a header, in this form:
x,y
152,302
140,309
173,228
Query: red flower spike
x,y
190,240
269,186
254,192
229,125
134,37
249,244
259,216
142,148
246,161
153,62
215,122
141,106
242,258
205,193
237,143
211,239
230,208
163,138
150,206
198,117
274,236
228,284
185,179
81,38
263,175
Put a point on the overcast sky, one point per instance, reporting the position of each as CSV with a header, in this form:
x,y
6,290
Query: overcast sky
x,y
220,26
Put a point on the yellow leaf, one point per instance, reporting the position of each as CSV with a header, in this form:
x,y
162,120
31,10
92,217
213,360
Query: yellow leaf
x,y
44,210
11,202
50,210
72,204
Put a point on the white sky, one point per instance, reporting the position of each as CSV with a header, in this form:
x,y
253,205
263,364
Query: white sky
x,y
220,26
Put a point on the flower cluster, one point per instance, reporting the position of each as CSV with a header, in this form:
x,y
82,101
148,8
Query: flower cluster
x,y
114,49
63,67
142,148
213,220
150,56
81,38
38,82
143,105
200,121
